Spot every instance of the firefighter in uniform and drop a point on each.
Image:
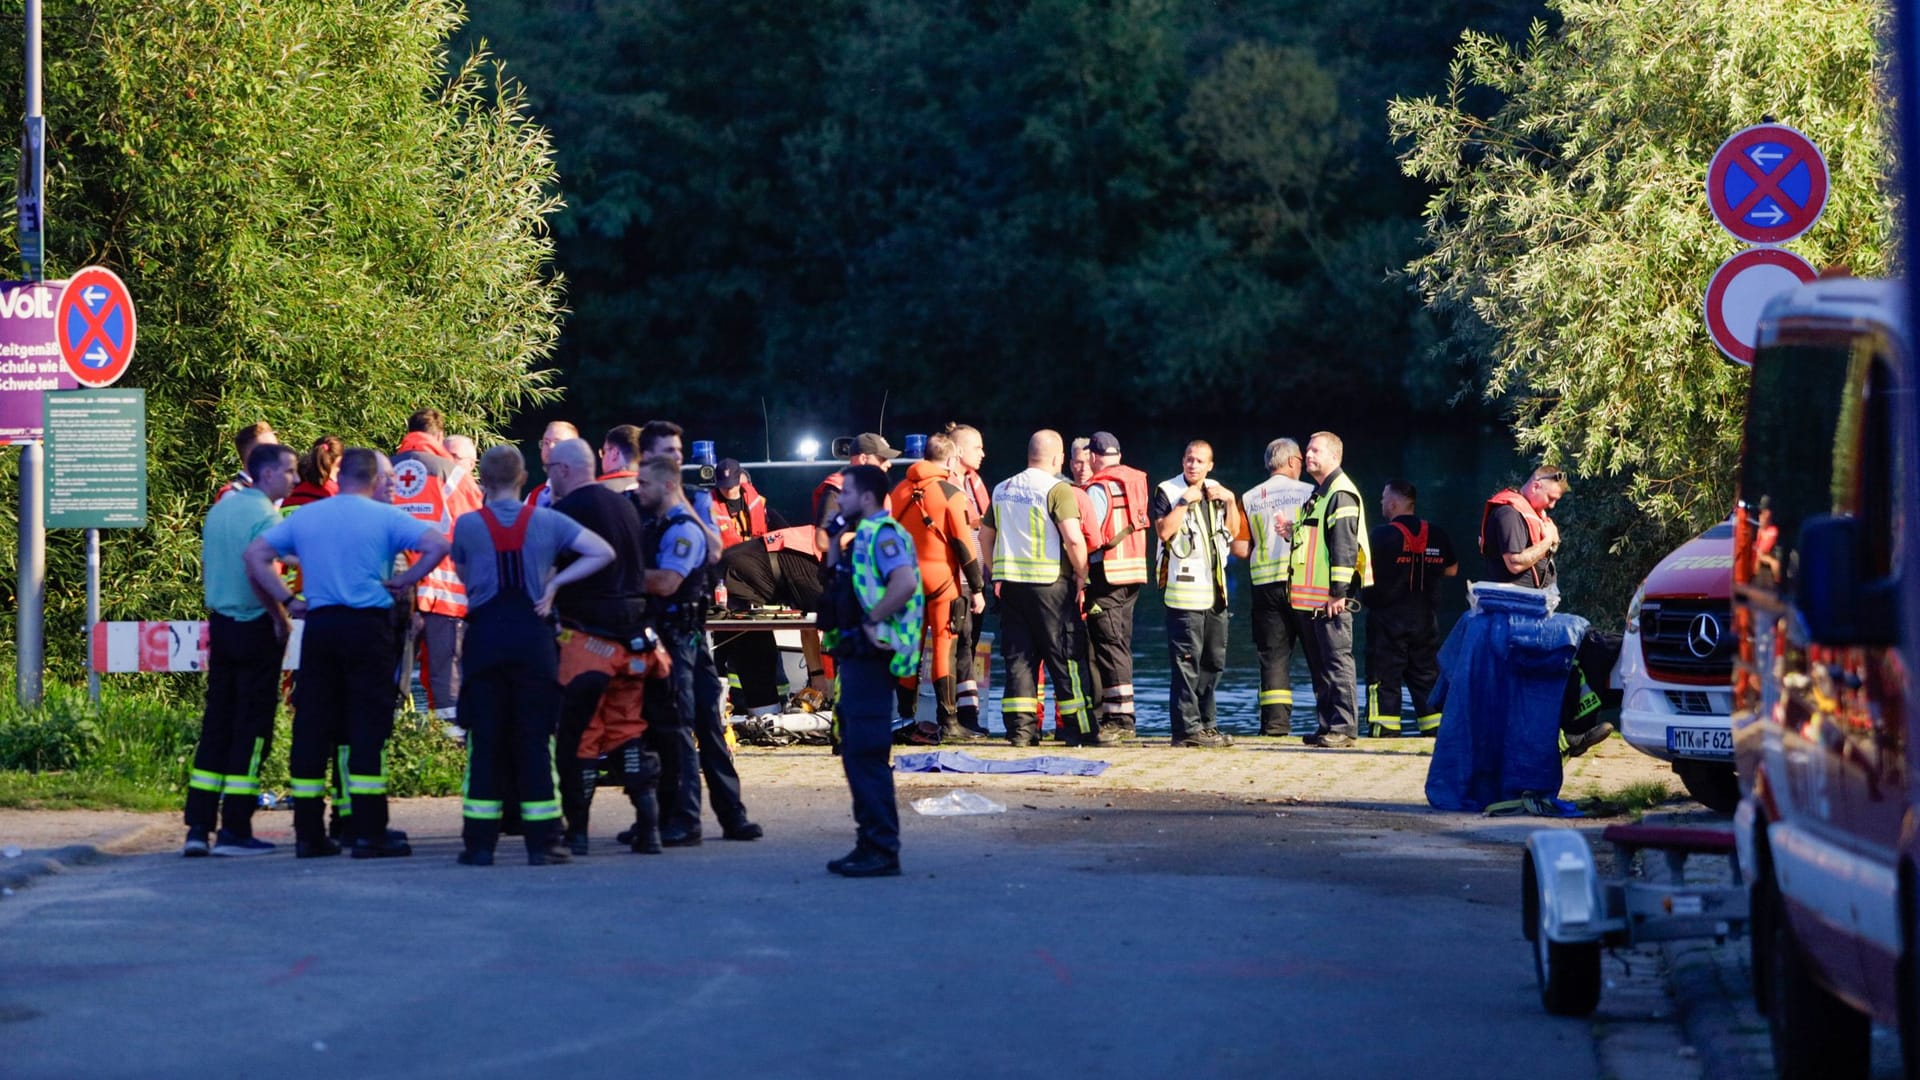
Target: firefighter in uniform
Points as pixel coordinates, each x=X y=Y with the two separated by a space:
x=1199 y=524
x=246 y=642
x=741 y=511
x=679 y=580
x=1330 y=564
x=1412 y=557
x=873 y=606
x=606 y=661
x=505 y=553
x=346 y=546
x=1116 y=569
x=933 y=510
x=1276 y=628
x=968 y=454
x=1036 y=556
x=425 y=475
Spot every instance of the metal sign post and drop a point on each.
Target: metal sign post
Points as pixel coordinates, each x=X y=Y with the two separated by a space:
x=30 y=589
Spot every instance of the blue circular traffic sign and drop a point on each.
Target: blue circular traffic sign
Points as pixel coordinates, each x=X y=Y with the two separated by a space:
x=94 y=323
x=1767 y=184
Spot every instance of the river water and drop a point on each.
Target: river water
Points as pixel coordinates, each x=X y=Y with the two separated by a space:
x=1454 y=467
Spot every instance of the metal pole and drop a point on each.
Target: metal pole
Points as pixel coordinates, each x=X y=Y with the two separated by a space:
x=31 y=587
x=93 y=611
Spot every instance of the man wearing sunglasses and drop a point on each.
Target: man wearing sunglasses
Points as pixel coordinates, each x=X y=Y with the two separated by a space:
x=1516 y=535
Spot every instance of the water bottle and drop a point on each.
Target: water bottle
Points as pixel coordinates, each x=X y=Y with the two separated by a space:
x=916 y=447
x=703 y=452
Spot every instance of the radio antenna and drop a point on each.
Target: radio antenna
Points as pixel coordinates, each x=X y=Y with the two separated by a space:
x=766 y=427
x=882 y=432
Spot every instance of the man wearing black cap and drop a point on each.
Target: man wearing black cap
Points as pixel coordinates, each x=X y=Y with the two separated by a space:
x=742 y=514
x=1119 y=496
x=868 y=449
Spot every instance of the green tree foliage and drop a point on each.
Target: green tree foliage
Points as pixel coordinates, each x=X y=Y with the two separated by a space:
x=326 y=222
x=1570 y=236
x=1152 y=208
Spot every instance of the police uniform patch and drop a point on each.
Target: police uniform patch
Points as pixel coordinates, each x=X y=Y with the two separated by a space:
x=682 y=548
x=890 y=549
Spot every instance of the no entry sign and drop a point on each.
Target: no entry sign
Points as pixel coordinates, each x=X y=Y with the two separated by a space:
x=1741 y=288
x=96 y=327
x=1767 y=184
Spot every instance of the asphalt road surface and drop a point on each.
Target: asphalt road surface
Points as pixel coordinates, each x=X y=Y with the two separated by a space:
x=1136 y=935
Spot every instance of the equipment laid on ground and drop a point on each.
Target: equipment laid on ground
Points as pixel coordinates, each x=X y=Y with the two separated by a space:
x=1569 y=910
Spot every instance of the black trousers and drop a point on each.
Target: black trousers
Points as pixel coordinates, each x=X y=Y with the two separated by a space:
x=966 y=634
x=1403 y=646
x=345 y=697
x=1276 y=629
x=865 y=715
x=687 y=733
x=1110 y=645
x=236 y=728
x=1197 y=645
x=510 y=705
x=1039 y=624
x=1329 y=641
x=754 y=659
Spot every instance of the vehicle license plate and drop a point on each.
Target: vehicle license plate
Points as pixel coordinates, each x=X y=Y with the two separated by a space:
x=1700 y=741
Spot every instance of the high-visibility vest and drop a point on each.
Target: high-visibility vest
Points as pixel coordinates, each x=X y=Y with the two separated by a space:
x=1026 y=539
x=1193 y=562
x=901 y=630
x=1313 y=576
x=1277 y=499
x=729 y=529
x=1536 y=526
x=1118 y=541
x=421 y=471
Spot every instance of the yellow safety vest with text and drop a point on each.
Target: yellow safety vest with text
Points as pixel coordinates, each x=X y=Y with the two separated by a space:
x=1278 y=498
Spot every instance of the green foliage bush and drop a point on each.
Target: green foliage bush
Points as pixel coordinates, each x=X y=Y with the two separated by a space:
x=326 y=221
x=1570 y=240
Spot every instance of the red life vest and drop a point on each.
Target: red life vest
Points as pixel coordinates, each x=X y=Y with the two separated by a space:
x=1536 y=525
x=831 y=483
x=1121 y=538
x=798 y=538
x=729 y=528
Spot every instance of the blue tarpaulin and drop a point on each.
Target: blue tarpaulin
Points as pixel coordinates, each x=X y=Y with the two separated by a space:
x=960 y=761
x=1503 y=680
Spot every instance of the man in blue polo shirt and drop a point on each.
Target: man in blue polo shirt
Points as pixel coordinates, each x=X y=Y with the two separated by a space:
x=245 y=642
x=345 y=694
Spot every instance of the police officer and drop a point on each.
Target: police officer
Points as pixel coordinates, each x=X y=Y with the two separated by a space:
x=505 y=554
x=246 y=642
x=1329 y=565
x=875 y=606
x=346 y=546
x=1411 y=558
x=680 y=582
x=1275 y=626
x=1036 y=556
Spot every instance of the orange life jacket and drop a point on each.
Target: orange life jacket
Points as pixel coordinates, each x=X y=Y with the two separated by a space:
x=1536 y=525
x=797 y=538
x=831 y=483
x=729 y=529
x=1121 y=538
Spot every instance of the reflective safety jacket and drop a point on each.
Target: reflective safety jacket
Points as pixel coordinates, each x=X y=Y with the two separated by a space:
x=1193 y=562
x=1536 y=527
x=729 y=529
x=1026 y=539
x=1331 y=557
x=1277 y=499
x=423 y=486
x=901 y=630
x=1117 y=528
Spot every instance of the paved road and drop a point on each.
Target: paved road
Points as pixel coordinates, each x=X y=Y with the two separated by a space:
x=1117 y=934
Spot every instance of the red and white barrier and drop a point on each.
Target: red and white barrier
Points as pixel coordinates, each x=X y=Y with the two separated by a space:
x=165 y=646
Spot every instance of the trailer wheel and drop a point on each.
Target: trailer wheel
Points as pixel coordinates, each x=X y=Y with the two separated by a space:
x=1568 y=972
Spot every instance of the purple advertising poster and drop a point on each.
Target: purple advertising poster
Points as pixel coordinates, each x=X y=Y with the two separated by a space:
x=30 y=361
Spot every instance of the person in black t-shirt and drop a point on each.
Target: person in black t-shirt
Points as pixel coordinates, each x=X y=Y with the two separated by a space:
x=757 y=575
x=1516 y=535
x=1411 y=557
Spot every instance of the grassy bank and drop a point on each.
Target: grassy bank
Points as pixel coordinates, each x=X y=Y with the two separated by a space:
x=133 y=750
